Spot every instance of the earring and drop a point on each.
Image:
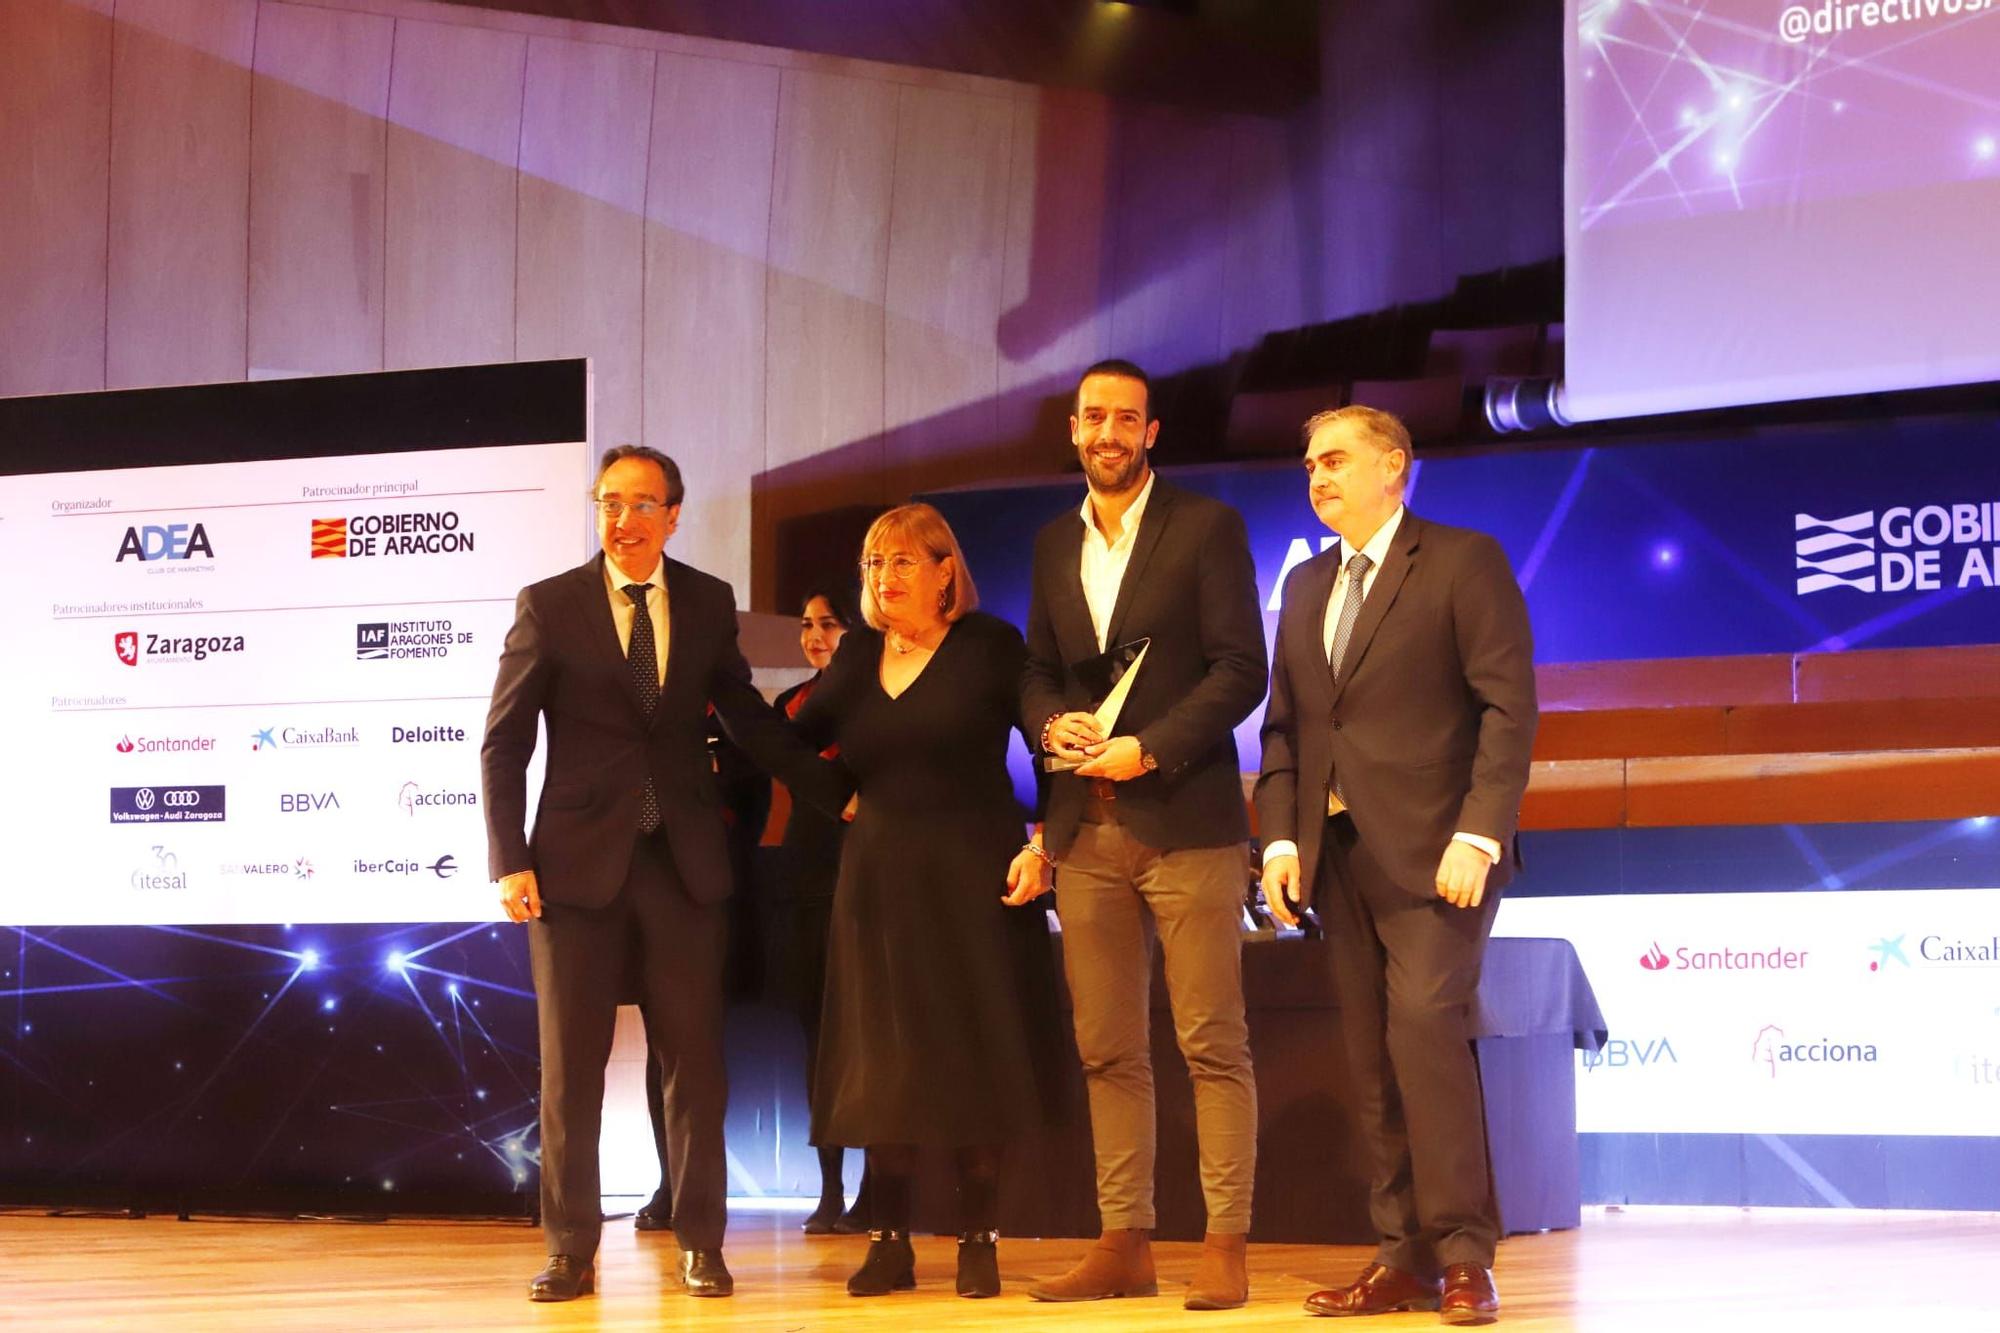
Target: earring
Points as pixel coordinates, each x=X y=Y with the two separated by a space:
x=944 y=598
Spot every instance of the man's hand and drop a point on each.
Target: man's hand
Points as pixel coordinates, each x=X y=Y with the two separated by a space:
x=1027 y=879
x=1281 y=888
x=1121 y=759
x=1461 y=877
x=521 y=896
x=1072 y=734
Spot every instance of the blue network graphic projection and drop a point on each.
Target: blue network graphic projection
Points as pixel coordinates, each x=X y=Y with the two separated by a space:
x=350 y=1068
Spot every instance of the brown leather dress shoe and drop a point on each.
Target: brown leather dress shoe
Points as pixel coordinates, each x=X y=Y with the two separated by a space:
x=1379 y=1290
x=1222 y=1278
x=1469 y=1297
x=566 y=1278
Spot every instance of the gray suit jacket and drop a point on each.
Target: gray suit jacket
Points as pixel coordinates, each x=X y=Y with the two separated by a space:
x=1431 y=723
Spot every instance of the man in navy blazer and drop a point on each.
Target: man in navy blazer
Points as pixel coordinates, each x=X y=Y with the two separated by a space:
x=621 y=658
x=1396 y=751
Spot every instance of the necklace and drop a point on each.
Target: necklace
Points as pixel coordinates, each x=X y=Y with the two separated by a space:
x=903 y=643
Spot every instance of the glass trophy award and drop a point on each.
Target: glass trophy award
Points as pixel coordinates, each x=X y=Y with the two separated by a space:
x=1108 y=678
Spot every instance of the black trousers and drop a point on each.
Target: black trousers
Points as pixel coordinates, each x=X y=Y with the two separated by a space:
x=579 y=958
x=1407 y=970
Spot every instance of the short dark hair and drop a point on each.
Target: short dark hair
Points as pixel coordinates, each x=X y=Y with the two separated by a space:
x=838 y=600
x=1124 y=370
x=669 y=469
x=1384 y=430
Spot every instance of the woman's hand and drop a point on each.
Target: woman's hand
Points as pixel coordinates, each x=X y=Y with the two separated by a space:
x=1028 y=877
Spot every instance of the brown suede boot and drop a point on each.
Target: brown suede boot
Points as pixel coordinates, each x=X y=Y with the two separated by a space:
x=1120 y=1264
x=1222 y=1278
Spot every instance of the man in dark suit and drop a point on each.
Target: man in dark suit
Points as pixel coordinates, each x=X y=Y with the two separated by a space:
x=1396 y=747
x=1150 y=832
x=621 y=658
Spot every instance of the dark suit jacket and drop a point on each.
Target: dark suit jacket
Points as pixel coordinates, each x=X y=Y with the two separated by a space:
x=1432 y=721
x=562 y=662
x=1192 y=588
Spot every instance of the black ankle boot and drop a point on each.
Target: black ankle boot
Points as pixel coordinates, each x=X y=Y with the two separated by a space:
x=891 y=1265
x=822 y=1220
x=979 y=1263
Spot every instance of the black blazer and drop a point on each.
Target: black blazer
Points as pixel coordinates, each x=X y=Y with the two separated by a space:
x=1192 y=588
x=562 y=662
x=1430 y=725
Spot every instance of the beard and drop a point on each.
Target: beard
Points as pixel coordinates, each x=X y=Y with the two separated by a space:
x=1115 y=478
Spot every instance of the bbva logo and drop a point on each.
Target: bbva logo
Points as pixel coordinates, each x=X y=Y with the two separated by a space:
x=1620 y=1054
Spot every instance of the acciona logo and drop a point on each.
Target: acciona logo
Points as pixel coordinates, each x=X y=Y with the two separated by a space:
x=1775 y=1051
x=1904 y=548
x=412 y=797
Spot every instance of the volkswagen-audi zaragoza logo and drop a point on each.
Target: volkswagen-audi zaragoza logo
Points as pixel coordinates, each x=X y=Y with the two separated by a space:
x=1903 y=548
x=369 y=536
x=168 y=805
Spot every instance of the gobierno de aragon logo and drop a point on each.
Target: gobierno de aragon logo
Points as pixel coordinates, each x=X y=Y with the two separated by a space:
x=371 y=536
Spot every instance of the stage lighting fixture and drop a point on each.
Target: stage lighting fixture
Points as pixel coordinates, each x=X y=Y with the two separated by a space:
x=1525 y=404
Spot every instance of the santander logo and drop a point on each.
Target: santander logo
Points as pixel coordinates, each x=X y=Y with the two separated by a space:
x=125 y=745
x=1653 y=959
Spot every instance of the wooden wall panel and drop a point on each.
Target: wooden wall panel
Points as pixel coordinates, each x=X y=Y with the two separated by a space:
x=829 y=271
x=317 y=169
x=947 y=241
x=584 y=129
x=454 y=136
x=1171 y=211
x=708 y=213
x=55 y=95
x=1265 y=285
x=1051 y=325
x=180 y=193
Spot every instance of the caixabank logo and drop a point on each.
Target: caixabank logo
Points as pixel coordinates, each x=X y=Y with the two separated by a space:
x=1904 y=548
x=168 y=805
x=373 y=536
x=136 y=646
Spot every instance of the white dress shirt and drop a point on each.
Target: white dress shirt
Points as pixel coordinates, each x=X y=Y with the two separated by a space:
x=623 y=612
x=1104 y=562
x=1377 y=550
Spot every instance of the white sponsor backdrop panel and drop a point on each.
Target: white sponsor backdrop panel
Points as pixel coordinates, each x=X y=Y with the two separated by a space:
x=1859 y=1012
x=255 y=691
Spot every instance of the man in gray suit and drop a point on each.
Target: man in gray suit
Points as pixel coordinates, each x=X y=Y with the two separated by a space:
x=1396 y=751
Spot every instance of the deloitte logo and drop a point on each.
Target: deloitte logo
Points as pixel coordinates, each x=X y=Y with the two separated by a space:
x=1901 y=549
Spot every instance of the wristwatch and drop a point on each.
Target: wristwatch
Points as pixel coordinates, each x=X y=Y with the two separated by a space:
x=1147 y=761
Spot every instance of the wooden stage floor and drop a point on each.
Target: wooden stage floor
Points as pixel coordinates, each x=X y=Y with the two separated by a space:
x=1712 y=1270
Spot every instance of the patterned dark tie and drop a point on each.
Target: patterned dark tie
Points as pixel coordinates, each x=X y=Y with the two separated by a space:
x=644 y=661
x=1343 y=630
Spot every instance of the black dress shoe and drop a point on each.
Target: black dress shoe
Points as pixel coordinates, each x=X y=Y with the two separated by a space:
x=823 y=1220
x=979 y=1263
x=657 y=1215
x=566 y=1278
x=853 y=1222
x=704 y=1274
x=891 y=1265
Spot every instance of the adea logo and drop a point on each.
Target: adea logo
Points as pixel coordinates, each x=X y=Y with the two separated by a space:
x=1772 y=1049
x=126 y=644
x=1653 y=959
x=1628 y=1053
x=173 y=541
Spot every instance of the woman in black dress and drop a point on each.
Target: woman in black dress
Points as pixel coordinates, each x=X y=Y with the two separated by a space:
x=811 y=858
x=940 y=995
